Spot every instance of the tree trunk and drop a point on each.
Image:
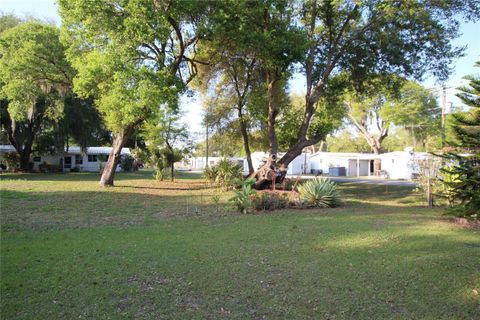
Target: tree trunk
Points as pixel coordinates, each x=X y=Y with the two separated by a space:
x=271 y=120
x=243 y=129
x=24 y=159
x=377 y=165
x=263 y=175
x=118 y=142
x=25 y=152
x=23 y=148
x=172 y=171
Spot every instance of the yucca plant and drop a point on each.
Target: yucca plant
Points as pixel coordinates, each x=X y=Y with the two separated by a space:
x=319 y=192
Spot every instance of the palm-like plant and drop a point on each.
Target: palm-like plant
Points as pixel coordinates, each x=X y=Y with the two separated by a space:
x=319 y=192
x=242 y=198
x=223 y=173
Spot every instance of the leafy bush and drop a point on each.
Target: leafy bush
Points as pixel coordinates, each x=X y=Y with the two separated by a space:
x=242 y=198
x=269 y=201
x=75 y=169
x=127 y=163
x=102 y=157
x=291 y=184
x=319 y=192
x=210 y=174
x=223 y=174
x=11 y=160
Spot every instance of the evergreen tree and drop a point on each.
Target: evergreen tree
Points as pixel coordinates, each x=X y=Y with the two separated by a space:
x=462 y=181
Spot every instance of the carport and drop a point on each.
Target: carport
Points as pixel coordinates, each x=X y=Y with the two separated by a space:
x=361 y=165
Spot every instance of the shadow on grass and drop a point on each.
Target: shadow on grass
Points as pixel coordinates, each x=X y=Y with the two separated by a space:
x=40 y=210
x=23 y=210
x=169 y=185
x=143 y=174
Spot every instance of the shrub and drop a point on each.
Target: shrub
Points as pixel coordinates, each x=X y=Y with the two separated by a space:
x=269 y=201
x=319 y=192
x=75 y=169
x=291 y=184
x=11 y=160
x=223 y=174
x=210 y=174
x=242 y=198
x=127 y=163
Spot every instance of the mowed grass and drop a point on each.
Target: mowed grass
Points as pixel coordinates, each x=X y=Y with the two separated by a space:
x=149 y=250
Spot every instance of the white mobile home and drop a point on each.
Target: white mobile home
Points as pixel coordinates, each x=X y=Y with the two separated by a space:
x=199 y=163
x=299 y=165
x=73 y=157
x=354 y=164
x=89 y=160
x=401 y=164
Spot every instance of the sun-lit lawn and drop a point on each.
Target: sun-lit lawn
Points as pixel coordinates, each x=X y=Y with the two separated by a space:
x=150 y=250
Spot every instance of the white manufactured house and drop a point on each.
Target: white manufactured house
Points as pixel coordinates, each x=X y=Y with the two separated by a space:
x=299 y=165
x=353 y=164
x=87 y=160
x=199 y=163
x=401 y=164
x=394 y=165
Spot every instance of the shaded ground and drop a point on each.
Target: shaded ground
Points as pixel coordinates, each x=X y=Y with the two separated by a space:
x=70 y=249
x=366 y=180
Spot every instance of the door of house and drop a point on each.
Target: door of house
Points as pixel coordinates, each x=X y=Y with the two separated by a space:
x=67 y=162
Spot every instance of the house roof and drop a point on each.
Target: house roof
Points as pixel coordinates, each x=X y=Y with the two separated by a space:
x=94 y=150
x=4 y=148
x=73 y=150
x=347 y=155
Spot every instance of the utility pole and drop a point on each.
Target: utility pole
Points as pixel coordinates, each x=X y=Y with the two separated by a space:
x=206 y=142
x=444 y=107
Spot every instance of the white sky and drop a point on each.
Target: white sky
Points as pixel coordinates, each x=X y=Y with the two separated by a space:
x=47 y=10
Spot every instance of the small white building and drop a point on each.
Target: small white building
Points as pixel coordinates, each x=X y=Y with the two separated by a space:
x=354 y=164
x=88 y=160
x=299 y=165
x=401 y=164
x=199 y=163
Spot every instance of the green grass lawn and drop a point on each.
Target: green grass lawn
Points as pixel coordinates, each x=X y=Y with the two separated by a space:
x=150 y=250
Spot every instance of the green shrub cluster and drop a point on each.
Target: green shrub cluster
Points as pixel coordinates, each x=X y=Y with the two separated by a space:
x=11 y=160
x=242 y=197
x=269 y=200
x=127 y=163
x=223 y=174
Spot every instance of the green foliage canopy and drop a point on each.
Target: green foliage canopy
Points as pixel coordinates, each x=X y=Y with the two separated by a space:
x=131 y=55
x=33 y=66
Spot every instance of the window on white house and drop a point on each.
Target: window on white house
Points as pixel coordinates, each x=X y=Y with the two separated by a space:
x=78 y=159
x=92 y=158
x=37 y=159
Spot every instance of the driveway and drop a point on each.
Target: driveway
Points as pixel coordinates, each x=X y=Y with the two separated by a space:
x=379 y=181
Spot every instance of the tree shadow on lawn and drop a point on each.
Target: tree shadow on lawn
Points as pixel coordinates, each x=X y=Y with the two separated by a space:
x=30 y=210
x=170 y=186
x=143 y=174
x=278 y=266
x=23 y=210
